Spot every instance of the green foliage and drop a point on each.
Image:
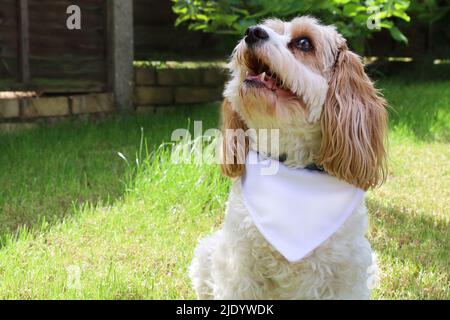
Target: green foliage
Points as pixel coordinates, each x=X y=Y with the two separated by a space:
x=355 y=19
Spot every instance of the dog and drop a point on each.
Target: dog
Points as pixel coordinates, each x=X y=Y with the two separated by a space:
x=300 y=78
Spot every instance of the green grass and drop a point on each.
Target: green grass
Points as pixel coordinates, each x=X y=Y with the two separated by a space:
x=69 y=202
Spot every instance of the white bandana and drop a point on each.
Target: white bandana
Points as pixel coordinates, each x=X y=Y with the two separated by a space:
x=296 y=209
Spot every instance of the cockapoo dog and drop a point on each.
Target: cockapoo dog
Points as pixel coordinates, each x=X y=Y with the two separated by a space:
x=300 y=78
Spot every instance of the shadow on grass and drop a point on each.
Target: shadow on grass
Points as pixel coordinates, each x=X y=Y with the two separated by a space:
x=417 y=243
x=49 y=172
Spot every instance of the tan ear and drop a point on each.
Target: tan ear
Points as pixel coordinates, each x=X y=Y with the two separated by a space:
x=354 y=122
x=235 y=142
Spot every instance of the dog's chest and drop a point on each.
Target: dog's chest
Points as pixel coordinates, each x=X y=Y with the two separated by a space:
x=241 y=225
x=295 y=210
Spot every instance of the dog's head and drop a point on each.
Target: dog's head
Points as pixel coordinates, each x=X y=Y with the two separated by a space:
x=300 y=74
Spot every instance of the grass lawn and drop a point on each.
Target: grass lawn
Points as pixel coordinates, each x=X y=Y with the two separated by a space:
x=70 y=206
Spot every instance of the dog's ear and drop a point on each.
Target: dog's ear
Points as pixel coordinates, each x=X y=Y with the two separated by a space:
x=354 y=122
x=234 y=143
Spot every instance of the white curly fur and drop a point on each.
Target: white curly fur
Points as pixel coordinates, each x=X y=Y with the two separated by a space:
x=236 y=262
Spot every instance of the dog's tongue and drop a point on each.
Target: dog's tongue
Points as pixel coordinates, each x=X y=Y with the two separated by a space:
x=267 y=81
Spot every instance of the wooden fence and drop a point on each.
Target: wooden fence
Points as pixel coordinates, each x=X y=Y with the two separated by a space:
x=39 y=52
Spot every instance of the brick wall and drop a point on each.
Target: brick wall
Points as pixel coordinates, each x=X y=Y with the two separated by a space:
x=159 y=89
x=16 y=113
x=156 y=90
x=61 y=106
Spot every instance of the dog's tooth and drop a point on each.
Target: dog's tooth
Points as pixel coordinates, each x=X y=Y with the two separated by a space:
x=247 y=73
x=262 y=76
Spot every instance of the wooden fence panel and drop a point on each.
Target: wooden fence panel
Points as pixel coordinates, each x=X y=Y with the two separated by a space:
x=59 y=59
x=8 y=43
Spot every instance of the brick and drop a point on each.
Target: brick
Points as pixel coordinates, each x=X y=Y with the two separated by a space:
x=176 y=77
x=45 y=107
x=9 y=108
x=153 y=96
x=145 y=76
x=92 y=103
x=214 y=77
x=189 y=95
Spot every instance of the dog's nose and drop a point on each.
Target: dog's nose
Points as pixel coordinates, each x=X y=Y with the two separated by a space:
x=255 y=34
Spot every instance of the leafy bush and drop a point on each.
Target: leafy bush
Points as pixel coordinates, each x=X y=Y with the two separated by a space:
x=355 y=19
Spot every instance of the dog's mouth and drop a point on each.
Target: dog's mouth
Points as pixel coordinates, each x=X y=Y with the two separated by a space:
x=260 y=76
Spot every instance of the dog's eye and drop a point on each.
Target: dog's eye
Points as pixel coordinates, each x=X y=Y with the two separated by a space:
x=303 y=44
